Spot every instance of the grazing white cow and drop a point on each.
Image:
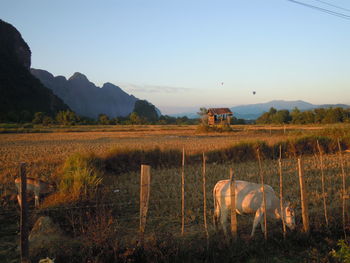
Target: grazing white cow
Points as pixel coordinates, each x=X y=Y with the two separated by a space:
x=249 y=200
x=37 y=186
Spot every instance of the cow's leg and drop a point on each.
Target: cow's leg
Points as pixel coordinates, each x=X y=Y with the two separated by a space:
x=19 y=200
x=36 y=195
x=215 y=220
x=262 y=225
x=223 y=219
x=216 y=216
x=36 y=200
x=257 y=219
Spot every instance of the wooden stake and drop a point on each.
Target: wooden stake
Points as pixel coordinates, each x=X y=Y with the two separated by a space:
x=323 y=184
x=183 y=193
x=303 y=199
x=145 y=186
x=344 y=189
x=24 y=215
x=205 y=199
x=263 y=192
x=281 y=193
x=233 y=205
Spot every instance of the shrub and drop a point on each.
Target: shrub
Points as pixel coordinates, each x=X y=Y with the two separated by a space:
x=343 y=254
x=79 y=177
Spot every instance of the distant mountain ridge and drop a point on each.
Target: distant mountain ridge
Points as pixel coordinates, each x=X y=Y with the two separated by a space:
x=85 y=98
x=254 y=111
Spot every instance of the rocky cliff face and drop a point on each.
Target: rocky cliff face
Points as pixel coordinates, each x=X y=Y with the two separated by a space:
x=85 y=98
x=20 y=92
x=13 y=44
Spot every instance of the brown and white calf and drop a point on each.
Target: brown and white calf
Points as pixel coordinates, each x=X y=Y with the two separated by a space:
x=249 y=200
x=36 y=186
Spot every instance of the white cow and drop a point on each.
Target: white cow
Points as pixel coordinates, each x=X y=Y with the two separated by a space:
x=37 y=186
x=249 y=200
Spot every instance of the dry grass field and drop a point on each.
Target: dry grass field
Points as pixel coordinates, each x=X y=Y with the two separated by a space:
x=43 y=152
x=113 y=224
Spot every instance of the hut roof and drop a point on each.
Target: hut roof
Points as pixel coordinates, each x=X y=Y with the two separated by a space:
x=219 y=111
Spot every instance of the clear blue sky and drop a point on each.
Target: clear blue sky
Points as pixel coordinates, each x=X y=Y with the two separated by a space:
x=178 y=52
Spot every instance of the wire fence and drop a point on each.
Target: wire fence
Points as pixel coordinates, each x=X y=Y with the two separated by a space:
x=165 y=205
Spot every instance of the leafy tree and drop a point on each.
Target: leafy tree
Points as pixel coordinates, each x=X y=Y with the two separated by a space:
x=103 y=119
x=67 y=117
x=319 y=114
x=297 y=117
x=135 y=118
x=203 y=113
x=264 y=118
x=281 y=116
x=47 y=120
x=38 y=117
x=272 y=111
x=334 y=115
x=308 y=116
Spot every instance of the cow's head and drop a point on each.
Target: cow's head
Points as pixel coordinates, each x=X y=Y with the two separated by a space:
x=289 y=216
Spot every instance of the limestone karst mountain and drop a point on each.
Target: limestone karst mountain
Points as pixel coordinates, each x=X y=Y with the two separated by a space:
x=85 y=98
x=21 y=94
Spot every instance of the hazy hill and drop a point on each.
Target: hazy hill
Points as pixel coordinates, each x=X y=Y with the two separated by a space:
x=253 y=111
x=85 y=98
x=21 y=94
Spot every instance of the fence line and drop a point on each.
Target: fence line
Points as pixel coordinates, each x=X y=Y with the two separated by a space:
x=263 y=192
x=145 y=185
x=303 y=198
x=24 y=245
x=183 y=193
x=205 y=200
x=323 y=185
x=233 y=205
x=281 y=194
x=123 y=218
x=343 y=188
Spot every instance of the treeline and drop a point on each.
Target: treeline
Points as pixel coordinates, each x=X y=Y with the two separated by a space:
x=143 y=113
x=71 y=118
x=296 y=116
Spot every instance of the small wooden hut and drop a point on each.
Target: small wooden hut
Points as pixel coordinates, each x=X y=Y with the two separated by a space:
x=219 y=116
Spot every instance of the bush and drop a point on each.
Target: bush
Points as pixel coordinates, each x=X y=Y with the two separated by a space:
x=79 y=177
x=343 y=254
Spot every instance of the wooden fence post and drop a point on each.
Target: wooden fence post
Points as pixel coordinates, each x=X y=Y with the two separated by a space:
x=281 y=193
x=343 y=188
x=303 y=199
x=205 y=199
x=323 y=184
x=24 y=215
x=263 y=193
x=145 y=185
x=183 y=193
x=233 y=205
